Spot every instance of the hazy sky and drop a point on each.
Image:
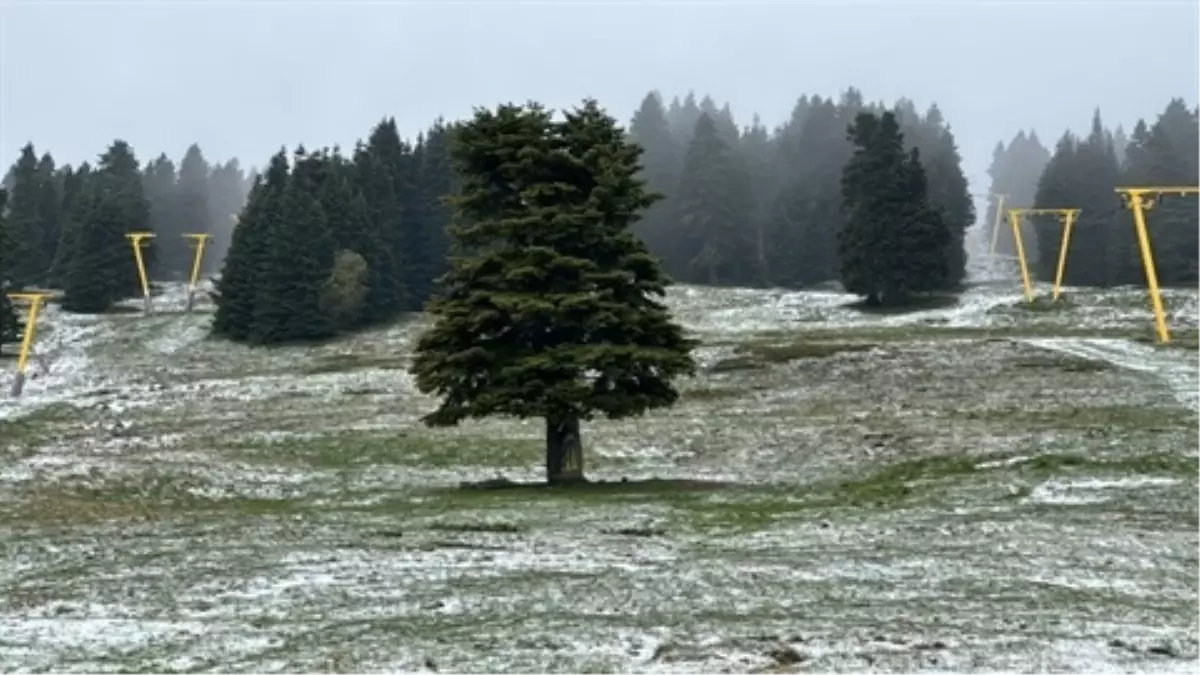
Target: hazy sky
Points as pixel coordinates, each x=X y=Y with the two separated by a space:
x=242 y=78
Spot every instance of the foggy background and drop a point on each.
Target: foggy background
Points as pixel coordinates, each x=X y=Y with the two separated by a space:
x=241 y=79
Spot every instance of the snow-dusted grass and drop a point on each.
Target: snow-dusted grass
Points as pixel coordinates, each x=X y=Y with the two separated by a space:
x=969 y=487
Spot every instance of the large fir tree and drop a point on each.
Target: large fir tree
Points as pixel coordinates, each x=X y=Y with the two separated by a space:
x=551 y=315
x=238 y=289
x=892 y=243
x=102 y=268
x=715 y=205
x=661 y=165
x=297 y=260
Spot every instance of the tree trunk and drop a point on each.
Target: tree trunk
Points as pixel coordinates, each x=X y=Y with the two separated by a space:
x=564 y=450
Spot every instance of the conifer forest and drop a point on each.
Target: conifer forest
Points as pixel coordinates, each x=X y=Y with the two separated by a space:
x=583 y=389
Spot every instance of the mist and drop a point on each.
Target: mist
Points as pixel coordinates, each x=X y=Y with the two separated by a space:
x=242 y=79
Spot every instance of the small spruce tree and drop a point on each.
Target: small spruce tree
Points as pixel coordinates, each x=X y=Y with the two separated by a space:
x=893 y=243
x=548 y=309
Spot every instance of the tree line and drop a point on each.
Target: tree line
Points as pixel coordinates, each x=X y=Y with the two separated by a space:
x=328 y=243
x=64 y=227
x=750 y=206
x=1082 y=172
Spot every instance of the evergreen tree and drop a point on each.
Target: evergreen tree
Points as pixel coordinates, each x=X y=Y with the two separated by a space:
x=806 y=214
x=49 y=213
x=683 y=119
x=893 y=243
x=661 y=167
x=241 y=275
x=1014 y=172
x=351 y=227
x=420 y=269
x=715 y=204
x=227 y=194
x=9 y=326
x=1081 y=175
x=73 y=211
x=948 y=190
x=1164 y=154
x=297 y=261
x=190 y=216
x=552 y=314
x=383 y=177
x=160 y=184
x=28 y=265
x=436 y=183
x=385 y=295
x=102 y=268
x=757 y=154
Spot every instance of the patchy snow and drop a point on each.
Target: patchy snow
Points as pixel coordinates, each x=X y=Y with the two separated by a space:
x=203 y=506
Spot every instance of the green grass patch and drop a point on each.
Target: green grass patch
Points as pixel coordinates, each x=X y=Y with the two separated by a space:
x=158 y=498
x=39 y=426
x=1123 y=417
x=735 y=364
x=479 y=528
x=341 y=363
x=404 y=448
x=1063 y=362
x=801 y=349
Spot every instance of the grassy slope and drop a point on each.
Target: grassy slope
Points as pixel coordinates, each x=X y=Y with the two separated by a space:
x=915 y=495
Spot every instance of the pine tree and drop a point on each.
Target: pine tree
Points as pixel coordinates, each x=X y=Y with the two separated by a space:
x=191 y=215
x=382 y=176
x=437 y=182
x=949 y=193
x=552 y=314
x=27 y=266
x=714 y=206
x=227 y=193
x=1082 y=175
x=805 y=216
x=893 y=243
x=102 y=268
x=297 y=261
x=350 y=225
x=757 y=155
x=385 y=297
x=50 y=216
x=661 y=167
x=241 y=275
x=683 y=119
x=160 y=184
x=1014 y=172
x=9 y=326
x=73 y=211
x=419 y=271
